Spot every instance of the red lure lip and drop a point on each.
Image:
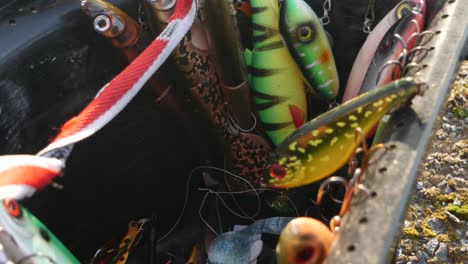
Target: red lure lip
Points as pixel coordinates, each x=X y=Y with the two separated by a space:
x=277 y=171
x=12 y=207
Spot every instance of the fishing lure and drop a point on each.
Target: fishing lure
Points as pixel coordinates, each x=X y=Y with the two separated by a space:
x=308 y=43
x=244 y=246
x=324 y=144
x=157 y=13
x=304 y=240
x=277 y=83
x=394 y=47
x=245 y=151
x=221 y=24
x=25 y=239
x=243 y=7
x=368 y=49
x=126 y=35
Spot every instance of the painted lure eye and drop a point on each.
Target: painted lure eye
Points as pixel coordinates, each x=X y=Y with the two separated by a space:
x=277 y=171
x=305 y=33
x=403 y=9
x=12 y=207
x=304 y=255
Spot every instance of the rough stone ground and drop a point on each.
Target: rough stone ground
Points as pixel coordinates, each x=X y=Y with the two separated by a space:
x=436 y=225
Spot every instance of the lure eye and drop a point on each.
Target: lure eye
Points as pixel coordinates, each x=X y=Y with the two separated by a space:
x=403 y=9
x=277 y=171
x=12 y=207
x=305 y=33
x=304 y=255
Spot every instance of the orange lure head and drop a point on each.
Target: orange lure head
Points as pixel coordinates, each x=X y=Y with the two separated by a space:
x=304 y=240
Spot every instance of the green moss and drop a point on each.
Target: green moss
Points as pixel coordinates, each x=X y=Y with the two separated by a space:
x=460 y=112
x=410 y=232
x=460 y=212
x=443 y=238
x=452 y=183
x=428 y=232
x=440 y=215
x=448 y=198
x=411 y=213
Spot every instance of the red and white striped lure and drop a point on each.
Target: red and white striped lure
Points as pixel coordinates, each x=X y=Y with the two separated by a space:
x=22 y=175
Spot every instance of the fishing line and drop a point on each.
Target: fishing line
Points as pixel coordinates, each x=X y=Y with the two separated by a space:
x=229 y=189
x=187 y=195
x=201 y=217
x=257 y=189
x=251 y=189
x=36 y=255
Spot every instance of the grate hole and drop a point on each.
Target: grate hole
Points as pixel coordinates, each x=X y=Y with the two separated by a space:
x=438 y=32
x=373 y=194
x=445 y=16
x=451 y=1
x=382 y=170
x=12 y=22
x=363 y=220
x=392 y=146
x=351 y=248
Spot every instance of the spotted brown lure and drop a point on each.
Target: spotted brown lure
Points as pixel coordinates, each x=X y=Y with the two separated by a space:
x=245 y=152
x=324 y=144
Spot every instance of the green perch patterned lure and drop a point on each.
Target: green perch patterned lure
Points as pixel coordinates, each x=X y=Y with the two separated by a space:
x=277 y=82
x=24 y=239
x=308 y=43
x=326 y=143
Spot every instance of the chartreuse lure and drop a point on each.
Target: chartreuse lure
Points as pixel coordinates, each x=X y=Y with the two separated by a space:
x=277 y=83
x=308 y=43
x=326 y=143
x=25 y=239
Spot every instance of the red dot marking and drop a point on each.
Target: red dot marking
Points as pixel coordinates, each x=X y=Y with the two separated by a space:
x=12 y=207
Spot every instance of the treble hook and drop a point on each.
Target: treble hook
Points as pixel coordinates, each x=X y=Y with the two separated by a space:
x=429 y=33
x=366 y=152
x=410 y=66
x=336 y=220
x=419 y=6
x=238 y=127
x=369 y=18
x=415 y=51
x=416 y=34
x=388 y=63
x=325 y=19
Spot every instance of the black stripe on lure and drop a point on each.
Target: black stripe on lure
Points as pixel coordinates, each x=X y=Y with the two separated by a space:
x=324 y=144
